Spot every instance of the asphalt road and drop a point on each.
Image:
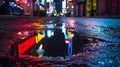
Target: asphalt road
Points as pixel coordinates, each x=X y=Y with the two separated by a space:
x=106 y=29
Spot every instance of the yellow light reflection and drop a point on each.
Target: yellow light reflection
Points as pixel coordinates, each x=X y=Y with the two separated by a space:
x=94 y=4
x=88 y=5
x=41 y=46
x=38 y=37
x=70 y=35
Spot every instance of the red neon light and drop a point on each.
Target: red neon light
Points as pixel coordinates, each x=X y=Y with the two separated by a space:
x=48 y=4
x=24 y=46
x=67 y=41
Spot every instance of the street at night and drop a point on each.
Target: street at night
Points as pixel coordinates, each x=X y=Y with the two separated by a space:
x=95 y=41
x=59 y=33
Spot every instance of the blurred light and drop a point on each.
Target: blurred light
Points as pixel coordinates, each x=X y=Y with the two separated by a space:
x=88 y=5
x=11 y=3
x=67 y=7
x=73 y=55
x=94 y=4
x=26 y=33
x=48 y=0
x=72 y=12
x=17 y=0
x=21 y=8
x=22 y=38
x=101 y=62
x=39 y=37
x=19 y=33
x=72 y=6
x=63 y=28
x=50 y=21
x=70 y=49
x=28 y=4
x=48 y=5
x=55 y=24
x=67 y=41
x=49 y=33
x=18 y=6
x=55 y=14
x=40 y=51
x=72 y=35
x=41 y=46
x=64 y=4
x=48 y=12
x=61 y=13
x=69 y=3
x=64 y=10
x=49 y=25
x=25 y=2
x=14 y=5
x=69 y=0
x=110 y=61
x=65 y=35
x=42 y=8
x=52 y=33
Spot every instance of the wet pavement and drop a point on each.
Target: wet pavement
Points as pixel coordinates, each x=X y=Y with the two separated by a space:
x=105 y=29
x=96 y=41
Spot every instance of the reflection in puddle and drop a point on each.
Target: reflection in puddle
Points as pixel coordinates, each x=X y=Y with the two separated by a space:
x=62 y=41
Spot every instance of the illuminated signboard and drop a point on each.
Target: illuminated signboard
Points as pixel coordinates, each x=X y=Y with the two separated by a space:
x=25 y=45
x=38 y=37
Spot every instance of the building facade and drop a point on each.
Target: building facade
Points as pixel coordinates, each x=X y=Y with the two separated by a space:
x=108 y=7
x=96 y=8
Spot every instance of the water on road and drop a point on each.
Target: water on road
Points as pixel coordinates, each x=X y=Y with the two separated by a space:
x=95 y=41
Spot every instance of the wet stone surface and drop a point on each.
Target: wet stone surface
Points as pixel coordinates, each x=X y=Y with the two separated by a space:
x=106 y=54
x=103 y=53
